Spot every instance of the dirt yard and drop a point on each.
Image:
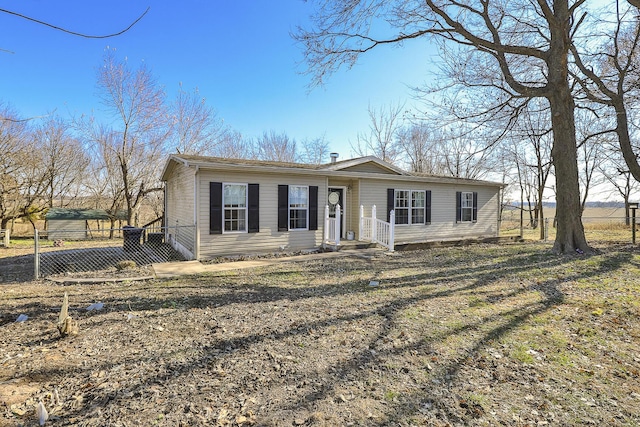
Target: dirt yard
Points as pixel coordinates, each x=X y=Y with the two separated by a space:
x=486 y=335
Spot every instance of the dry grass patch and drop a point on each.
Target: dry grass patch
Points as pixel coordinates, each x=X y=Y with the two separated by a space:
x=483 y=335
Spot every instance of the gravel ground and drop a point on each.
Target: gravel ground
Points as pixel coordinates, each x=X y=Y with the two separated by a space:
x=486 y=335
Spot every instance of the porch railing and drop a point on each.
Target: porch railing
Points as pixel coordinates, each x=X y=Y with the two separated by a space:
x=375 y=230
x=332 y=227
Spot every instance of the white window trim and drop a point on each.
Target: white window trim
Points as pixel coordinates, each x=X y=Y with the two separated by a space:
x=410 y=207
x=424 y=208
x=289 y=208
x=246 y=209
x=466 y=208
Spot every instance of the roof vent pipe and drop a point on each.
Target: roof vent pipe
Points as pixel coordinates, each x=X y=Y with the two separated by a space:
x=334 y=157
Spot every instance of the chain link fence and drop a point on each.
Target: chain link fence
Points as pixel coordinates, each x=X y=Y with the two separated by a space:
x=79 y=253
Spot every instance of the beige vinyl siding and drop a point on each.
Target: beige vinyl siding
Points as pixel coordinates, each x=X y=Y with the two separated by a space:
x=268 y=239
x=180 y=206
x=443 y=210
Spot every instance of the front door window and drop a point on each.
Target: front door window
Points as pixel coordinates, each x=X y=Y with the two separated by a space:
x=336 y=197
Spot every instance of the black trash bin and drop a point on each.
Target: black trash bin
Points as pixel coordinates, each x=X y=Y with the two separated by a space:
x=131 y=236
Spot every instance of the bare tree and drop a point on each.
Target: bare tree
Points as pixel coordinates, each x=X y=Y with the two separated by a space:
x=613 y=78
x=137 y=138
x=196 y=127
x=315 y=151
x=234 y=146
x=526 y=42
x=64 y=159
x=381 y=140
x=464 y=154
x=14 y=156
x=23 y=174
x=419 y=148
x=276 y=147
x=618 y=176
x=104 y=184
x=530 y=147
x=591 y=147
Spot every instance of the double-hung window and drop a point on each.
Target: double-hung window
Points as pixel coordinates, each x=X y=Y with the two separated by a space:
x=418 y=207
x=401 y=206
x=410 y=206
x=234 y=208
x=234 y=200
x=298 y=207
x=467 y=206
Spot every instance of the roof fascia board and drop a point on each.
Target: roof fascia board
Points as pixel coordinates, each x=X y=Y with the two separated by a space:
x=340 y=174
x=412 y=178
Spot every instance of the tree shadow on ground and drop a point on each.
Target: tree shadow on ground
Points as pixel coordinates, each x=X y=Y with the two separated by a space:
x=418 y=282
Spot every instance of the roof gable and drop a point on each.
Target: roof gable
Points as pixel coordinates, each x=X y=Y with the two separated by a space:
x=368 y=164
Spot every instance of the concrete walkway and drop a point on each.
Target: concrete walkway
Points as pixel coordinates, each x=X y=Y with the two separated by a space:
x=184 y=268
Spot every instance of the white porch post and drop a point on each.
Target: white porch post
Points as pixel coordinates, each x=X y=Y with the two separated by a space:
x=326 y=223
x=374 y=225
x=392 y=229
x=337 y=225
x=360 y=224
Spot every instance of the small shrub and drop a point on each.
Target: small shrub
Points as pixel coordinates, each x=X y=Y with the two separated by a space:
x=126 y=265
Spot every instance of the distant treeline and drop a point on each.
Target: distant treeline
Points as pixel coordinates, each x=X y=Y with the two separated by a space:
x=587 y=205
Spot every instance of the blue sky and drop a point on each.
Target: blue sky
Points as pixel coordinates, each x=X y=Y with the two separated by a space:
x=239 y=54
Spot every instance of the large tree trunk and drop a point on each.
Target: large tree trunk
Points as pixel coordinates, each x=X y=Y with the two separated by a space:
x=570 y=232
x=570 y=236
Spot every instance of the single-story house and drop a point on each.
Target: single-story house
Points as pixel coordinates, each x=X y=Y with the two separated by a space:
x=232 y=207
x=78 y=224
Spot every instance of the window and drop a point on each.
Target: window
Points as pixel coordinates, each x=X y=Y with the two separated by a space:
x=298 y=207
x=418 y=200
x=234 y=208
x=234 y=200
x=466 y=206
x=401 y=206
x=411 y=206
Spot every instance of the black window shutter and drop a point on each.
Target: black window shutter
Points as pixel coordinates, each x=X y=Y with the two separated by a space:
x=215 y=208
x=475 y=207
x=254 y=208
x=427 y=215
x=458 y=206
x=313 y=207
x=390 y=202
x=283 y=207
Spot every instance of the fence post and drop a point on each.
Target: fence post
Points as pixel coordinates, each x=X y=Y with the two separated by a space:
x=546 y=229
x=7 y=234
x=36 y=254
x=374 y=225
x=337 y=225
x=392 y=229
